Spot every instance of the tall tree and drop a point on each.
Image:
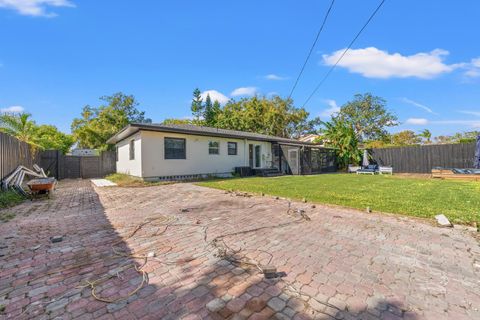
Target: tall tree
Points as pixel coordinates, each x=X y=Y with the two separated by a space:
x=427 y=135
x=208 y=115
x=42 y=137
x=341 y=135
x=97 y=124
x=50 y=138
x=197 y=104
x=211 y=112
x=272 y=116
x=369 y=116
x=19 y=125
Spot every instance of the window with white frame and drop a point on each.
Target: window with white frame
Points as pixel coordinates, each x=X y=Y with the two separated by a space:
x=213 y=147
x=232 y=148
x=175 y=148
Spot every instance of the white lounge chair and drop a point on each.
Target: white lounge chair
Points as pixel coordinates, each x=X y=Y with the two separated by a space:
x=352 y=168
x=385 y=170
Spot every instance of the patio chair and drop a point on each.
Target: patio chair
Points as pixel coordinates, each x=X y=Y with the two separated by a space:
x=385 y=170
x=370 y=169
x=353 y=168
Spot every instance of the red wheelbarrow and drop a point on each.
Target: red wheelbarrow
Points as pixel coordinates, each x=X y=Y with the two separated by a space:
x=42 y=186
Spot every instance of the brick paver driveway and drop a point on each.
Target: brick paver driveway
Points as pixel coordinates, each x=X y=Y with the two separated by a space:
x=202 y=248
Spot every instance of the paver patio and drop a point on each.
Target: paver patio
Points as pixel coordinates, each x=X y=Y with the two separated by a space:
x=342 y=264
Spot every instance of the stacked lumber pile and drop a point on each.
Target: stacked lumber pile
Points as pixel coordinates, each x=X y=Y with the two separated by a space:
x=456 y=174
x=15 y=179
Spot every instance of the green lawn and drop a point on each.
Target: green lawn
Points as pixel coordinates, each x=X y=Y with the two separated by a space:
x=458 y=200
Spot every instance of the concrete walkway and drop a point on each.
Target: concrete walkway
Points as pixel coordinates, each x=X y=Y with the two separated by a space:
x=202 y=247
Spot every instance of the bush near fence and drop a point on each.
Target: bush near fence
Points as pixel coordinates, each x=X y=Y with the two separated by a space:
x=421 y=159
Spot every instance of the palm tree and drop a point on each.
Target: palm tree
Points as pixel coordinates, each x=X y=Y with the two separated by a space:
x=427 y=135
x=19 y=125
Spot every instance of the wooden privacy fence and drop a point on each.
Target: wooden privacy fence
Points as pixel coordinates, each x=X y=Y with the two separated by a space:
x=73 y=167
x=13 y=153
x=421 y=159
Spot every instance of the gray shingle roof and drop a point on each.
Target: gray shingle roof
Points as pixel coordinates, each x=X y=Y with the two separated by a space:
x=199 y=130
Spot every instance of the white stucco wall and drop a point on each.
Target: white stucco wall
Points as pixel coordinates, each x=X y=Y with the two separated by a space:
x=124 y=164
x=198 y=160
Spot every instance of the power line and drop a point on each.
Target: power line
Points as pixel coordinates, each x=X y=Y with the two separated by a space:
x=311 y=49
x=344 y=52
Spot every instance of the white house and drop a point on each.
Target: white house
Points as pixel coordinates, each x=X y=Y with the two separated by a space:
x=157 y=151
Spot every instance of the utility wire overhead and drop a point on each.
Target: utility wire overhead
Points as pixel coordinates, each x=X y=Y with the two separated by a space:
x=343 y=53
x=311 y=49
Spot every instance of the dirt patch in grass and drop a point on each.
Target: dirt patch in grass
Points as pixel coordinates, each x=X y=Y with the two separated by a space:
x=125 y=180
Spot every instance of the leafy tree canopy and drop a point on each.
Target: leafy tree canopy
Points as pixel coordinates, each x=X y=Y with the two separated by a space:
x=97 y=124
x=360 y=120
x=18 y=125
x=176 y=121
x=46 y=137
x=341 y=135
x=272 y=116
x=405 y=138
x=368 y=115
x=464 y=137
x=49 y=138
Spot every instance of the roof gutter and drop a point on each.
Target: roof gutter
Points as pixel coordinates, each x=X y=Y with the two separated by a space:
x=118 y=137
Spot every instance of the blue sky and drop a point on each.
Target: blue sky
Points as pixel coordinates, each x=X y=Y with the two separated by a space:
x=423 y=57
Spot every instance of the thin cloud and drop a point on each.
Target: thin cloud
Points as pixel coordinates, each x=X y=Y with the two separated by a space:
x=36 y=8
x=215 y=95
x=374 y=63
x=417 y=121
x=422 y=121
x=13 y=109
x=418 y=104
x=275 y=77
x=244 y=91
x=471 y=113
x=473 y=68
x=332 y=110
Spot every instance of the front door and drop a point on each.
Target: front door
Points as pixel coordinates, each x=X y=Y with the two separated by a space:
x=250 y=155
x=293 y=160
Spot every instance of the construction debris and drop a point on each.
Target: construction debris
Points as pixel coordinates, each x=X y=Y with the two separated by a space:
x=35 y=247
x=103 y=183
x=15 y=179
x=443 y=221
x=270 y=272
x=55 y=239
x=238 y=194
